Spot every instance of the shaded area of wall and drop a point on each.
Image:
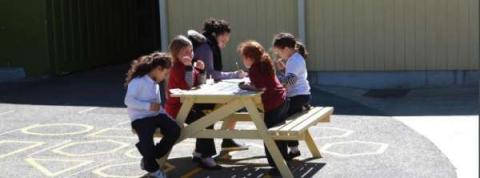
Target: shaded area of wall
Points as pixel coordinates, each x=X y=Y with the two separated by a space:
x=63 y=36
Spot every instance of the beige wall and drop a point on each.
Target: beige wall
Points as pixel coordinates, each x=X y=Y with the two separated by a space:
x=250 y=19
x=350 y=35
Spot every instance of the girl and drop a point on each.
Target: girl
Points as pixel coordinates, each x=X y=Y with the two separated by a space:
x=293 y=76
x=181 y=50
x=262 y=77
x=143 y=105
x=216 y=35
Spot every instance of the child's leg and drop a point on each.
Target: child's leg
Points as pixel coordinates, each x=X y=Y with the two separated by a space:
x=145 y=130
x=170 y=131
x=204 y=146
x=274 y=118
x=296 y=106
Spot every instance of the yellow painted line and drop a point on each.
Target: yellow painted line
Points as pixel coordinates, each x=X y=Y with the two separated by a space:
x=192 y=172
x=86 y=128
x=32 y=144
x=36 y=164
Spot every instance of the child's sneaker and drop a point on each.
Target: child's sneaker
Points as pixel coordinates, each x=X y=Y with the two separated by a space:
x=157 y=174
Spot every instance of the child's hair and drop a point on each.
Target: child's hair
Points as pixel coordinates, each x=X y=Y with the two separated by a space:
x=255 y=50
x=213 y=26
x=283 y=40
x=145 y=64
x=177 y=44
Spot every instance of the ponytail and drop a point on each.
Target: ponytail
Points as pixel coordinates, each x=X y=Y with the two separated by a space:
x=300 y=48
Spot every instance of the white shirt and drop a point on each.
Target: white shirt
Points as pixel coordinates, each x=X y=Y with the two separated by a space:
x=141 y=92
x=296 y=65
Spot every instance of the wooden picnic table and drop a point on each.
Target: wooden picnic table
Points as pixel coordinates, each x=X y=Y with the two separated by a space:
x=229 y=99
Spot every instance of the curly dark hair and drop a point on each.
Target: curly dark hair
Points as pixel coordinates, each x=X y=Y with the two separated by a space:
x=145 y=64
x=213 y=26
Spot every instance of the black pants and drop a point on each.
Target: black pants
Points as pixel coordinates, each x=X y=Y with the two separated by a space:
x=296 y=105
x=145 y=129
x=272 y=119
x=204 y=146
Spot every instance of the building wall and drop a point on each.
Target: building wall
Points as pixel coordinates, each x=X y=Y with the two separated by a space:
x=392 y=35
x=351 y=35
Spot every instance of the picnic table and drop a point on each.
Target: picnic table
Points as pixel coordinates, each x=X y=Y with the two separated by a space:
x=229 y=99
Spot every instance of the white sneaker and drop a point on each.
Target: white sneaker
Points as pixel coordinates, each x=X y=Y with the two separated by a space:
x=157 y=174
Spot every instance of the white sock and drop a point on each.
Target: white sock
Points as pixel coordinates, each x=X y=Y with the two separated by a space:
x=294 y=149
x=210 y=162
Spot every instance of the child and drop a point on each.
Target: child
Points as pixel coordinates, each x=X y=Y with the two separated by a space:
x=293 y=76
x=262 y=77
x=143 y=105
x=181 y=50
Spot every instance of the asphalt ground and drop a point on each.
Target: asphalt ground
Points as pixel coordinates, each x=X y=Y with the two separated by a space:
x=76 y=126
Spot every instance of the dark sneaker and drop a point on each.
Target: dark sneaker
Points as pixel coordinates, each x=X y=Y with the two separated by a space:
x=196 y=159
x=230 y=145
x=292 y=155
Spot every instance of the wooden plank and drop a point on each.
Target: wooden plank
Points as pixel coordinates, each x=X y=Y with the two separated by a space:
x=297 y=119
x=211 y=118
x=311 y=145
x=269 y=142
x=324 y=113
x=184 y=111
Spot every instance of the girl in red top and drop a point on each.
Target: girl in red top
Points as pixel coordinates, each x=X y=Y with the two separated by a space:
x=274 y=98
x=184 y=76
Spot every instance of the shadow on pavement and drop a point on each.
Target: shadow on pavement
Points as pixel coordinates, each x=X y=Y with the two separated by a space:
x=236 y=168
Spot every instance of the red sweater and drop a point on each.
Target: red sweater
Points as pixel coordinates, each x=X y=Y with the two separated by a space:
x=275 y=94
x=177 y=80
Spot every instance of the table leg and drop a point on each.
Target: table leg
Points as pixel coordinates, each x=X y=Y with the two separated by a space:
x=269 y=142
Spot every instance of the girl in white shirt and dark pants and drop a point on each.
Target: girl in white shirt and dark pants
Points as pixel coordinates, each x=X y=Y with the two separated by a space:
x=292 y=72
x=144 y=109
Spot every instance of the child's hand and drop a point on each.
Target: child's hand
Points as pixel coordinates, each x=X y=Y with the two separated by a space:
x=280 y=65
x=199 y=65
x=249 y=87
x=155 y=107
x=241 y=74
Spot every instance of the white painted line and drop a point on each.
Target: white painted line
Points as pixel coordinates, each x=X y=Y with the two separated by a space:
x=346 y=133
x=10 y=131
x=87 y=110
x=382 y=147
x=45 y=149
x=36 y=164
x=100 y=133
x=33 y=145
x=6 y=112
x=86 y=128
x=100 y=171
x=89 y=168
x=60 y=151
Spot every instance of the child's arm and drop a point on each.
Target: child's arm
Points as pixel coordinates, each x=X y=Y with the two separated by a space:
x=131 y=101
x=249 y=86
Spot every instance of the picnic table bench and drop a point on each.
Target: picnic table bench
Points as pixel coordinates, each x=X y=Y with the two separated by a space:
x=229 y=99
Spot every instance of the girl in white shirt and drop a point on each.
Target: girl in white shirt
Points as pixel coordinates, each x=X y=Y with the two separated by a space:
x=143 y=105
x=292 y=72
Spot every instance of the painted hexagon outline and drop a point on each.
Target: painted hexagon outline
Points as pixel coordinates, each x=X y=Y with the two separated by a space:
x=380 y=150
x=346 y=133
x=60 y=151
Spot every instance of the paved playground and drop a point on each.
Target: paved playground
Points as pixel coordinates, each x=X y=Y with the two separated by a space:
x=76 y=126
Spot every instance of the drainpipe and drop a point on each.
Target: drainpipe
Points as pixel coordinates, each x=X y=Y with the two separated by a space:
x=163 y=24
x=301 y=21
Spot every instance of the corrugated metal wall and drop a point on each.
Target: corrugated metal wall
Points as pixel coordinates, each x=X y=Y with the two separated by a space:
x=351 y=35
x=87 y=33
x=63 y=36
x=391 y=35
x=250 y=19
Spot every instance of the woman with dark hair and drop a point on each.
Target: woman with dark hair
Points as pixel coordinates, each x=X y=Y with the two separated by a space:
x=292 y=72
x=207 y=47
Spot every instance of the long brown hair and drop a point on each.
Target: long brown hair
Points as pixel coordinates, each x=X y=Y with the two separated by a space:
x=255 y=50
x=177 y=44
x=145 y=64
x=283 y=40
